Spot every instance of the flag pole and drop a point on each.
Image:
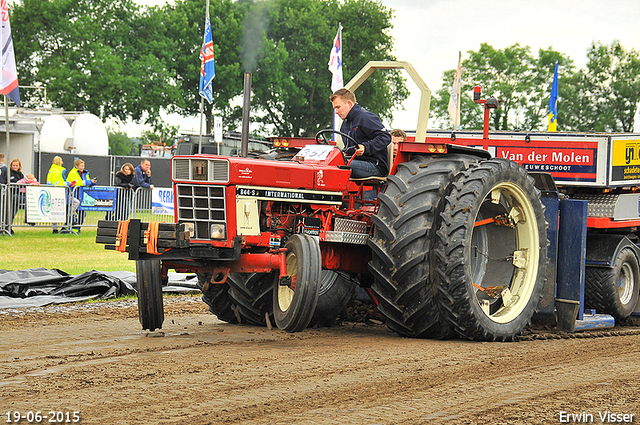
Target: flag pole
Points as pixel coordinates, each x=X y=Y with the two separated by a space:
x=6 y=126
x=201 y=118
x=202 y=98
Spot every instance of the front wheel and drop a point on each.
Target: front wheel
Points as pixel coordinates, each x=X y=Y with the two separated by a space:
x=295 y=297
x=149 y=288
x=492 y=251
x=614 y=291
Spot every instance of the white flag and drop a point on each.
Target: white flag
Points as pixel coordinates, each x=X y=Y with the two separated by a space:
x=454 y=100
x=9 y=81
x=335 y=61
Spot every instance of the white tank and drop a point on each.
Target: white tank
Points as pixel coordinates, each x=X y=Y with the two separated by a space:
x=90 y=136
x=55 y=132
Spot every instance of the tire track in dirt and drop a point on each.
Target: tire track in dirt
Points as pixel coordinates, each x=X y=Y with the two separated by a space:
x=203 y=371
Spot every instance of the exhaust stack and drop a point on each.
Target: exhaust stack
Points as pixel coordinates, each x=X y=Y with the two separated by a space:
x=246 y=106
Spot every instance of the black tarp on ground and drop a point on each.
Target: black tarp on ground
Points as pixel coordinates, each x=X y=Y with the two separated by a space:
x=40 y=286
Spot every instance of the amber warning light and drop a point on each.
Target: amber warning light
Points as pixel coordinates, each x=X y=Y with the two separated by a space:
x=280 y=143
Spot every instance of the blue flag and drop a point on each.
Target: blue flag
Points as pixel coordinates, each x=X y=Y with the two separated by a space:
x=553 y=102
x=207 y=67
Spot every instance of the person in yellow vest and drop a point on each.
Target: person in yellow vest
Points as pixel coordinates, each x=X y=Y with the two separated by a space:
x=57 y=177
x=79 y=177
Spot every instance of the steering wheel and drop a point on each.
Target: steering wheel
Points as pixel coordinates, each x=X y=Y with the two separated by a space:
x=323 y=138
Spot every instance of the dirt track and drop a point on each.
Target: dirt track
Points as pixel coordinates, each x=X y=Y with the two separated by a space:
x=95 y=359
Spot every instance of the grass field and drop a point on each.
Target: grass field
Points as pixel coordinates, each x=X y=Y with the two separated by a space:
x=39 y=247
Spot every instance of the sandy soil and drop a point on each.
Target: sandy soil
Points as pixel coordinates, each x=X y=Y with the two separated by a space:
x=94 y=359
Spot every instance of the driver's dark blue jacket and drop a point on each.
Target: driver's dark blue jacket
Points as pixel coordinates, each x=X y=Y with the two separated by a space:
x=367 y=129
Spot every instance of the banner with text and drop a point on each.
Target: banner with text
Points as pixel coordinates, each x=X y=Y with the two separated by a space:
x=162 y=201
x=46 y=204
x=97 y=198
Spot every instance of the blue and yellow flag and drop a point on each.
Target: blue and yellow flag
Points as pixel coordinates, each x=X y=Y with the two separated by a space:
x=553 y=102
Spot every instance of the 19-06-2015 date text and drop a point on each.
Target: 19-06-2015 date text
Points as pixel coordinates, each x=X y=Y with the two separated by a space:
x=37 y=417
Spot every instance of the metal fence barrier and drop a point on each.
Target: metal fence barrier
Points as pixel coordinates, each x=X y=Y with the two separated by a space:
x=3 y=189
x=128 y=204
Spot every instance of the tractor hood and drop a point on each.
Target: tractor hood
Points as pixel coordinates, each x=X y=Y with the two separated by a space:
x=315 y=175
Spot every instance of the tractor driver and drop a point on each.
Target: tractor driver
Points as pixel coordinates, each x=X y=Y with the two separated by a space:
x=367 y=130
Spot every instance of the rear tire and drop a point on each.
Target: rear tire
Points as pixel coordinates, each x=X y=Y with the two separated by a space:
x=149 y=288
x=491 y=276
x=333 y=297
x=294 y=304
x=614 y=290
x=404 y=233
x=252 y=294
x=216 y=296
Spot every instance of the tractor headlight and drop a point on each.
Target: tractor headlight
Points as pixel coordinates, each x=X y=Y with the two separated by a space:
x=189 y=227
x=218 y=231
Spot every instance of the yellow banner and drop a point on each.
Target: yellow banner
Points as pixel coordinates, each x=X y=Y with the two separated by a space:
x=625 y=152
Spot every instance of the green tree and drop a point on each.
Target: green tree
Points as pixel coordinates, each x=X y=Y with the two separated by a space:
x=107 y=57
x=119 y=143
x=163 y=133
x=609 y=90
x=292 y=83
x=184 y=24
x=514 y=76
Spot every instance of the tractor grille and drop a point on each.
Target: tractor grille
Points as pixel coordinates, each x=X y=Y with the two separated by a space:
x=201 y=169
x=201 y=205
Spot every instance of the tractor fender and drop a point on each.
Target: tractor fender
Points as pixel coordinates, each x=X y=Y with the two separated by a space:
x=469 y=150
x=603 y=249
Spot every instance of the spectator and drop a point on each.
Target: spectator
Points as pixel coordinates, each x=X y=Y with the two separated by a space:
x=397 y=136
x=15 y=172
x=28 y=179
x=17 y=198
x=124 y=181
x=13 y=195
x=142 y=175
x=57 y=176
x=79 y=177
x=3 y=169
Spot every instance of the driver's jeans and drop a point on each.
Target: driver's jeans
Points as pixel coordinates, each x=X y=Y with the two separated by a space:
x=362 y=169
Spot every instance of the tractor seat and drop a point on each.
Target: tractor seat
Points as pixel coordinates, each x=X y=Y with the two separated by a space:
x=377 y=180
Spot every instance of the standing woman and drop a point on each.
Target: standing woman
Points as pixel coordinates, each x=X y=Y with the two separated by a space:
x=57 y=176
x=124 y=182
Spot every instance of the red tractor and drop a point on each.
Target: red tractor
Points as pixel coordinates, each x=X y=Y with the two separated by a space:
x=454 y=244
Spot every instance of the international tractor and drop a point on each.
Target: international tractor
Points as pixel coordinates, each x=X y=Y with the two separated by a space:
x=468 y=236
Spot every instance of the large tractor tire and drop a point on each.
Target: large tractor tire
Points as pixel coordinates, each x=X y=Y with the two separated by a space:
x=295 y=298
x=216 y=296
x=404 y=233
x=252 y=294
x=492 y=252
x=149 y=288
x=333 y=297
x=614 y=290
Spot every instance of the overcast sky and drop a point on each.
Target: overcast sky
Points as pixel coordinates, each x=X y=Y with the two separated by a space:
x=429 y=34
